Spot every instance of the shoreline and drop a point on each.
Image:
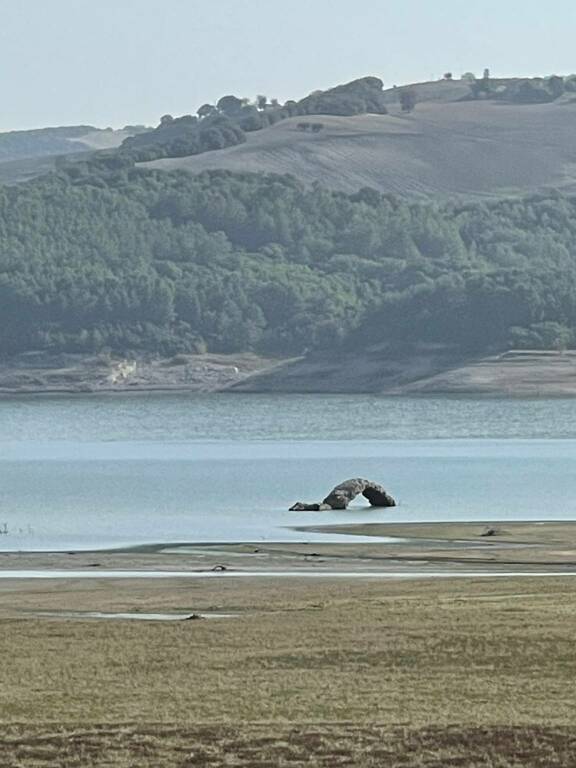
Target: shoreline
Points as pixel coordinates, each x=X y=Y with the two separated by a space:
x=381 y=549
x=390 y=532
x=326 y=575
x=425 y=370
x=479 y=394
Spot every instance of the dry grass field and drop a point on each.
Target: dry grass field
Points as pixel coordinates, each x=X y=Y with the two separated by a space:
x=443 y=148
x=475 y=673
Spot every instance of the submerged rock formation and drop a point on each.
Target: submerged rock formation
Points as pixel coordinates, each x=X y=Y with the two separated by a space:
x=341 y=496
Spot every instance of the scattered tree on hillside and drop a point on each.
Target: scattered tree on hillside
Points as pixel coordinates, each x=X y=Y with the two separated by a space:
x=447 y=76
x=481 y=87
x=290 y=108
x=528 y=92
x=314 y=127
x=468 y=77
x=206 y=110
x=407 y=99
x=555 y=85
x=356 y=98
x=230 y=105
x=250 y=119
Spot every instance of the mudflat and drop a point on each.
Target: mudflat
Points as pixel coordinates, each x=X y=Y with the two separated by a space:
x=392 y=548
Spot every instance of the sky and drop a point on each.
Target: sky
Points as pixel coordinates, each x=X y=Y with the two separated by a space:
x=118 y=62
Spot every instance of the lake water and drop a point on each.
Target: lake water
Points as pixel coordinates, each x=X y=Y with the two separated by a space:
x=92 y=472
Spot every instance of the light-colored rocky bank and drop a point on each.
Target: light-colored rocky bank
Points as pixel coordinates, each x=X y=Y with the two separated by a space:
x=41 y=373
x=426 y=370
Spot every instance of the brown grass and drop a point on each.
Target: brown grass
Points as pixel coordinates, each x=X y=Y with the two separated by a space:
x=451 y=673
x=469 y=652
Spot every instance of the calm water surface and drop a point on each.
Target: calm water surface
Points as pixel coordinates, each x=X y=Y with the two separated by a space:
x=108 y=471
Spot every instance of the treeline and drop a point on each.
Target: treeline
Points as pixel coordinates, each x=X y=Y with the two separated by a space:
x=534 y=90
x=226 y=123
x=112 y=258
x=184 y=136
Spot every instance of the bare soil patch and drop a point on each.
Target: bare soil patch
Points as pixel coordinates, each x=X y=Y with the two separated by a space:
x=269 y=746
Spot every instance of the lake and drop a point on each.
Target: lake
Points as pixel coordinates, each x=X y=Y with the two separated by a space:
x=111 y=471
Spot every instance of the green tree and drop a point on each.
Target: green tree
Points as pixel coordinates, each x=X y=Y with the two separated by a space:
x=407 y=99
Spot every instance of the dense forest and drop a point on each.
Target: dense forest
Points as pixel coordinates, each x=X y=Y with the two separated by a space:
x=104 y=256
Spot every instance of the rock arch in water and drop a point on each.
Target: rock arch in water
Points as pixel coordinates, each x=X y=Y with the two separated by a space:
x=341 y=496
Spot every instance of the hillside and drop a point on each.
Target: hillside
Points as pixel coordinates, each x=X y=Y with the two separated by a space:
x=444 y=147
x=105 y=257
x=372 y=291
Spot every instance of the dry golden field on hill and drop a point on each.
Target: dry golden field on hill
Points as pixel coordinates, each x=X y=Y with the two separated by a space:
x=471 y=148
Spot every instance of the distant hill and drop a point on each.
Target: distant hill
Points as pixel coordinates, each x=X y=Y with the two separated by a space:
x=485 y=137
x=448 y=145
x=25 y=154
x=114 y=253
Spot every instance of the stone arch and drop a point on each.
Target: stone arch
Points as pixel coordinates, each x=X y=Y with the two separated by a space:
x=341 y=496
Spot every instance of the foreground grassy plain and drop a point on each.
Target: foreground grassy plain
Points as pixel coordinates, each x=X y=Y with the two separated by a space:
x=410 y=673
x=474 y=672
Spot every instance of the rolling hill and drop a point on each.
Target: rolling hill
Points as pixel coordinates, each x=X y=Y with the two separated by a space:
x=26 y=154
x=241 y=251
x=447 y=146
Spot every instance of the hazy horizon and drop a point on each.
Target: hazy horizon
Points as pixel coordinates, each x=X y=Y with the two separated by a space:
x=71 y=62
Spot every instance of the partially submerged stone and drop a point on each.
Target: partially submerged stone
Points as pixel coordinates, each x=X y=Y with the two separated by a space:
x=301 y=506
x=341 y=496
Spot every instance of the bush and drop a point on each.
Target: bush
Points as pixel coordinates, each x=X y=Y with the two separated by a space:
x=355 y=98
x=407 y=99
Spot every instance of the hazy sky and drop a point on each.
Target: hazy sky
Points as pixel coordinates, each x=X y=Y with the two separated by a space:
x=112 y=62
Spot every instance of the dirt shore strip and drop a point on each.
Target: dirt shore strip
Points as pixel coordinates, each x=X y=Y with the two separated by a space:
x=390 y=547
